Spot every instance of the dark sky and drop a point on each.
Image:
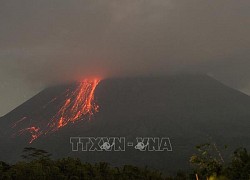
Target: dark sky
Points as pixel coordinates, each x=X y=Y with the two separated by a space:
x=49 y=41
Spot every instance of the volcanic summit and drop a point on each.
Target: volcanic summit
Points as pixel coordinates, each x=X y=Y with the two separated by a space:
x=189 y=109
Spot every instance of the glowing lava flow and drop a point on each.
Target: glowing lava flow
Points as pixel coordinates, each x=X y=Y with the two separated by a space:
x=78 y=105
x=34 y=131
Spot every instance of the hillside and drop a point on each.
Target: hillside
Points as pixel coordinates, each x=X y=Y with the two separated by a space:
x=189 y=109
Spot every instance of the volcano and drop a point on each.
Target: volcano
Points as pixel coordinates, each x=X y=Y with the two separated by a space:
x=189 y=109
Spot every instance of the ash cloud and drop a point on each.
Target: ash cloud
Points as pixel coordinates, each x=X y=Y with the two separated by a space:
x=60 y=40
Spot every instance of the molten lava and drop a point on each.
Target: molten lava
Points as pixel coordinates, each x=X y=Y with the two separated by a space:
x=79 y=104
x=34 y=131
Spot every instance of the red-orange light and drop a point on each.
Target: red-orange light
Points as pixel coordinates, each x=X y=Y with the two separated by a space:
x=79 y=103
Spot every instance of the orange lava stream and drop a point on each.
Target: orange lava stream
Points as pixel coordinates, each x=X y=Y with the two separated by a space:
x=34 y=131
x=78 y=104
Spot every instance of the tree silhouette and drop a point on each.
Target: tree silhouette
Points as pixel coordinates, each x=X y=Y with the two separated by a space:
x=30 y=153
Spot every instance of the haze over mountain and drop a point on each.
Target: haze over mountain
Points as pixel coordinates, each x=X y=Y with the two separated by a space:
x=47 y=42
x=189 y=109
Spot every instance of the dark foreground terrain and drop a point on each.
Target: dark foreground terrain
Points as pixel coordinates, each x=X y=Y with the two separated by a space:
x=37 y=164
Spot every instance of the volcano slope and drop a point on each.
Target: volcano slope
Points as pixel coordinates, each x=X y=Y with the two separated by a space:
x=189 y=109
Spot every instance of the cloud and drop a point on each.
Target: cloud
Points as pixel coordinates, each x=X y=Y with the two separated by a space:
x=53 y=41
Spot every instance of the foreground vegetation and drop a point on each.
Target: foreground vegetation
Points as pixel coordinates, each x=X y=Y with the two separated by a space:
x=207 y=164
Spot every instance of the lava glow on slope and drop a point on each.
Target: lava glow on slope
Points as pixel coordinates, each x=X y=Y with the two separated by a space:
x=79 y=104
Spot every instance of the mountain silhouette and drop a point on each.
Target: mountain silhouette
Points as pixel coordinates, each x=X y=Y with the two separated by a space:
x=189 y=109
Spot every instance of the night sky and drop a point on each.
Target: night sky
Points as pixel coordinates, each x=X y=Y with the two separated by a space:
x=52 y=41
